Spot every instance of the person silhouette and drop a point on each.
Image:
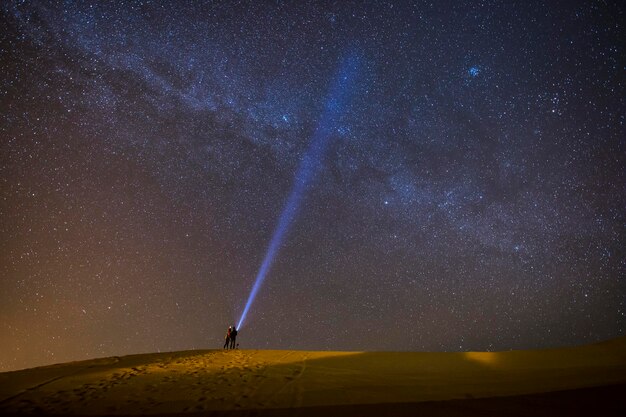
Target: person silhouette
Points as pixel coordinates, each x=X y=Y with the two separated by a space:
x=233 y=337
x=227 y=338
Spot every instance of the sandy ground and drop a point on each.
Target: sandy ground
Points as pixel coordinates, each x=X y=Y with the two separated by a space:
x=587 y=380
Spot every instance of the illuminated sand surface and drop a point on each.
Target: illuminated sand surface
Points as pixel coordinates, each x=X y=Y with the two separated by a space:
x=577 y=380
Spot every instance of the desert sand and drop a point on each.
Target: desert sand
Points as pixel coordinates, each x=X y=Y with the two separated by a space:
x=586 y=380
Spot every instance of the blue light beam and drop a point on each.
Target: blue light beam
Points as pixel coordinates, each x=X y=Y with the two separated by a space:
x=309 y=166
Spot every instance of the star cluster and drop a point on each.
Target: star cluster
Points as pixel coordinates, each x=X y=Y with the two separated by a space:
x=472 y=196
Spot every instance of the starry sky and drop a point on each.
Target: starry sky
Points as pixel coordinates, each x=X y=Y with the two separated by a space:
x=470 y=197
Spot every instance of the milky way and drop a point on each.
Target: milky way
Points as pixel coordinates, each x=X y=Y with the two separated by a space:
x=471 y=197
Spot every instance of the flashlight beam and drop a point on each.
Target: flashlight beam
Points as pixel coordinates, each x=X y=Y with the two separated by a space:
x=307 y=169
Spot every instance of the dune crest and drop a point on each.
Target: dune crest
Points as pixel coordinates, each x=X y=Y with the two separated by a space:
x=283 y=382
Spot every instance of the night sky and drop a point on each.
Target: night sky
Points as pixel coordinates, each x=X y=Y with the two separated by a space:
x=471 y=195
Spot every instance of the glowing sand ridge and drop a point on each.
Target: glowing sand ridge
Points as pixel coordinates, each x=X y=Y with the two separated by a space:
x=307 y=168
x=579 y=381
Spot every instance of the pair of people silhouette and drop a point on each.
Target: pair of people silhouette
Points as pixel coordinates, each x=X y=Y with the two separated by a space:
x=231 y=338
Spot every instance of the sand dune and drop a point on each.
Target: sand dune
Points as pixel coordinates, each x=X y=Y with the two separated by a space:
x=587 y=380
